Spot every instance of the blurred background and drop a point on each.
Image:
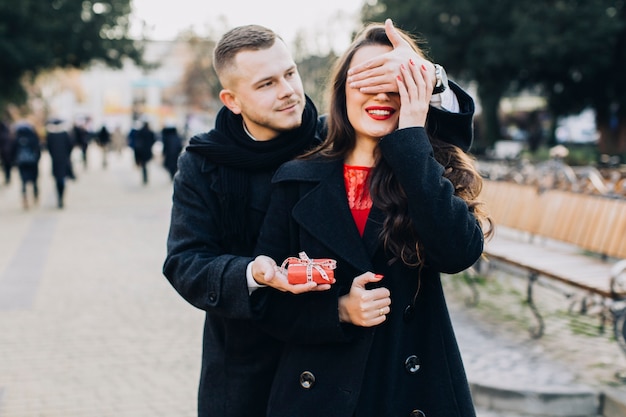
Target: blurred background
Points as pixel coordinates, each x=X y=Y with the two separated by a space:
x=542 y=73
x=88 y=324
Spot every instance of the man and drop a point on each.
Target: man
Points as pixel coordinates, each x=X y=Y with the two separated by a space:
x=221 y=194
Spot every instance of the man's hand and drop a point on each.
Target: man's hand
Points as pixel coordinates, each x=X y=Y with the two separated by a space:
x=378 y=75
x=363 y=307
x=266 y=272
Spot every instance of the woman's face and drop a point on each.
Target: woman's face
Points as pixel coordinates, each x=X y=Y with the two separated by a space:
x=371 y=115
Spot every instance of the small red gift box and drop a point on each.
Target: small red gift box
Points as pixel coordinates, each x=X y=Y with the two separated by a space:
x=303 y=269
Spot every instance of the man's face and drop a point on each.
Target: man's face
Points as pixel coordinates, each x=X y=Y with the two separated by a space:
x=267 y=91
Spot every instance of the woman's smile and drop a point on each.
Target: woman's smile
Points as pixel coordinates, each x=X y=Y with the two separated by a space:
x=380 y=112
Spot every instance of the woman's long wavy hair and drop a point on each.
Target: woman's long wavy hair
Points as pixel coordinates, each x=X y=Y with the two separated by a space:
x=397 y=232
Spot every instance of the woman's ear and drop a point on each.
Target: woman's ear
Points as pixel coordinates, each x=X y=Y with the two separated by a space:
x=230 y=101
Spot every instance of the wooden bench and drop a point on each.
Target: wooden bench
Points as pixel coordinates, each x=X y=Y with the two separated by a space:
x=577 y=240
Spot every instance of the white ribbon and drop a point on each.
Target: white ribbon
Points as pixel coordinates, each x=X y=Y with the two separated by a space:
x=317 y=264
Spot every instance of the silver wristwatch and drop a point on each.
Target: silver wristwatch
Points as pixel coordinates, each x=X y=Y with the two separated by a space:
x=442 y=80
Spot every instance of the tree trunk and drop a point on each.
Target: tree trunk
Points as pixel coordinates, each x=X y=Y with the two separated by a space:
x=490 y=126
x=611 y=127
x=621 y=137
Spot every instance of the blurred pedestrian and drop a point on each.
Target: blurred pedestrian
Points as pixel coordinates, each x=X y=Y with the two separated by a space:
x=172 y=147
x=7 y=144
x=104 y=140
x=81 y=139
x=59 y=145
x=118 y=141
x=27 y=155
x=142 y=142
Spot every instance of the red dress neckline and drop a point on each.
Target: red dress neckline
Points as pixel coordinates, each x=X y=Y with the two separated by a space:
x=357 y=192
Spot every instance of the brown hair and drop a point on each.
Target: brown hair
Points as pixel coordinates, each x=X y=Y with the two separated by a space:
x=241 y=38
x=397 y=231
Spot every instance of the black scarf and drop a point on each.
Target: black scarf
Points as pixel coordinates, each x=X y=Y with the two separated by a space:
x=238 y=157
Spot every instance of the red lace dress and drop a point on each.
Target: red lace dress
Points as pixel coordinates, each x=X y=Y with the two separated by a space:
x=359 y=199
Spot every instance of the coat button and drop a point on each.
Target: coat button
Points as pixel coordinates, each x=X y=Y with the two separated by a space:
x=408 y=313
x=417 y=413
x=212 y=297
x=412 y=364
x=307 y=380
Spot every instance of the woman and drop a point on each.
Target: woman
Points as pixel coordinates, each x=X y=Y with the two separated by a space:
x=394 y=208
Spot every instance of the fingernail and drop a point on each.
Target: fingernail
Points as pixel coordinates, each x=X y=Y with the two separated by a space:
x=379 y=276
x=423 y=67
x=402 y=66
x=399 y=78
x=411 y=61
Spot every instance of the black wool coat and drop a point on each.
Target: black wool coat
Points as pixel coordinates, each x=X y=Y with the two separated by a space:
x=238 y=359
x=411 y=362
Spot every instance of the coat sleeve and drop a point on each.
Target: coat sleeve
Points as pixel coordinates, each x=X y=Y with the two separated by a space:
x=451 y=127
x=310 y=318
x=196 y=265
x=451 y=235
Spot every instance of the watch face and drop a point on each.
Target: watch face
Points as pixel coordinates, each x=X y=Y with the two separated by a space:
x=438 y=75
x=442 y=79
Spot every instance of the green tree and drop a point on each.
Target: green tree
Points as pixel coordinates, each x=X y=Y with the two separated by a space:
x=38 y=35
x=471 y=38
x=577 y=55
x=573 y=50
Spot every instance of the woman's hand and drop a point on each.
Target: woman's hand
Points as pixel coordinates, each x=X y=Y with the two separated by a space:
x=378 y=75
x=363 y=307
x=415 y=89
x=266 y=272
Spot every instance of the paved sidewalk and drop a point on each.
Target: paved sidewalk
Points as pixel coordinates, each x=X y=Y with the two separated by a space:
x=88 y=324
x=89 y=327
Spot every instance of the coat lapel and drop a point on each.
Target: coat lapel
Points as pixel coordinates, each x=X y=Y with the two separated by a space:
x=324 y=213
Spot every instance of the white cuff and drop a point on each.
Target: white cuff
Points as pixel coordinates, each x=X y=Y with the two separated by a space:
x=446 y=100
x=252 y=284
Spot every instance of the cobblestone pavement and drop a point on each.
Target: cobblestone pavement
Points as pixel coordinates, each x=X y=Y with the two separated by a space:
x=90 y=327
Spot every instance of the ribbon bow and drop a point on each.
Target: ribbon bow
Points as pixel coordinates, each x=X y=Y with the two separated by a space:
x=317 y=264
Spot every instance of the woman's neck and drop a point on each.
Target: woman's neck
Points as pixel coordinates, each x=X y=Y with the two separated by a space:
x=363 y=154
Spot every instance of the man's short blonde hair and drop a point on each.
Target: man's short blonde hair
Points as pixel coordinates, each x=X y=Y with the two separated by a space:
x=241 y=38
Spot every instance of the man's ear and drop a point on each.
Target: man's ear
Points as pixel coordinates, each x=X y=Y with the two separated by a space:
x=228 y=98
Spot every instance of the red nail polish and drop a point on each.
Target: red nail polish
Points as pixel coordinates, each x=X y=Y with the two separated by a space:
x=379 y=276
x=402 y=66
x=399 y=78
x=411 y=61
x=423 y=67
